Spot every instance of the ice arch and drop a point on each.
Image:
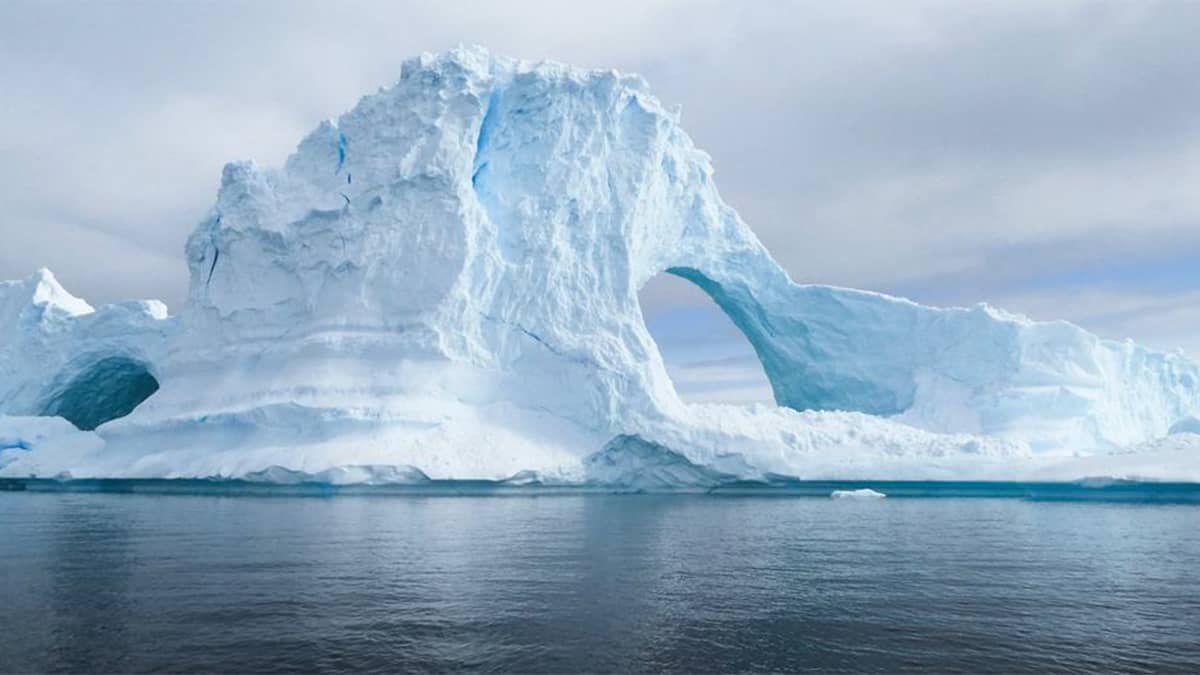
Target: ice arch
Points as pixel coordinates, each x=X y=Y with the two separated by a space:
x=744 y=312
x=815 y=350
x=108 y=389
x=707 y=357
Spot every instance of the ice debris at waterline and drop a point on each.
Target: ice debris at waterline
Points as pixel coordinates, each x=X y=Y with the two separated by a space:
x=444 y=280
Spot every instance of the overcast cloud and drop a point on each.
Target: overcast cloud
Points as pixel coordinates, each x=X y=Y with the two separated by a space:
x=1040 y=156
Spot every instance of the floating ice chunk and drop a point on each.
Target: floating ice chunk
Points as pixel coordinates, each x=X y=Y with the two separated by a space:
x=864 y=493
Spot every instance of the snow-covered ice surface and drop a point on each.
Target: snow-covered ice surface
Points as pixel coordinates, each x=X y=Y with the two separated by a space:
x=1173 y=458
x=442 y=283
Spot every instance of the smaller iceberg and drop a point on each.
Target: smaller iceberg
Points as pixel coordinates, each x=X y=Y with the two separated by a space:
x=864 y=493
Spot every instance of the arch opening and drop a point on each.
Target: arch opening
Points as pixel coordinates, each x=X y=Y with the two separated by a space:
x=707 y=355
x=107 y=390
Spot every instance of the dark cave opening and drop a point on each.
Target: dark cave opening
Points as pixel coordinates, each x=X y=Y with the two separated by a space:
x=109 y=389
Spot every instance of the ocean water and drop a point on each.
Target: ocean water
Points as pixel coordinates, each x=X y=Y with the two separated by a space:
x=593 y=582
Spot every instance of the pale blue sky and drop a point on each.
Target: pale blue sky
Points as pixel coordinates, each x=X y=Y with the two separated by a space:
x=1040 y=156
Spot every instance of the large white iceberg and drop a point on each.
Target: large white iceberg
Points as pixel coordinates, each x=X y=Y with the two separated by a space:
x=446 y=278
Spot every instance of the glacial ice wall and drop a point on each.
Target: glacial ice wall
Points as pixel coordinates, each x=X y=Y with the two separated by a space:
x=446 y=277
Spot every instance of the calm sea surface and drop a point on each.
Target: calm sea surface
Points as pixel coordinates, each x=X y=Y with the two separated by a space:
x=129 y=582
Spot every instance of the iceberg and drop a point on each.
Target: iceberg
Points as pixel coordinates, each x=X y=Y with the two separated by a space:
x=444 y=280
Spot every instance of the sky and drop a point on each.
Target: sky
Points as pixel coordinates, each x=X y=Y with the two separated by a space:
x=1039 y=156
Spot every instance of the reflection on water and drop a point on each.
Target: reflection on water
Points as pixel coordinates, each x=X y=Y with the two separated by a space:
x=90 y=586
x=103 y=582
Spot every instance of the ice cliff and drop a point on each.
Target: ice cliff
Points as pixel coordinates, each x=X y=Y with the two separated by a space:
x=445 y=279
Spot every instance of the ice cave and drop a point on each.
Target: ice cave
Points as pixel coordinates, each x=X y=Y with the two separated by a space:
x=107 y=389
